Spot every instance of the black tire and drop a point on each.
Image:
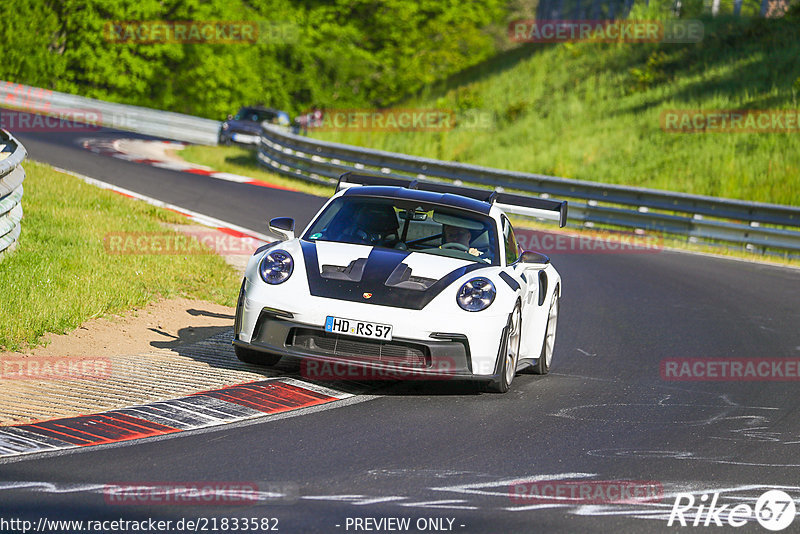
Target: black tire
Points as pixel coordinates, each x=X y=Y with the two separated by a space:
x=255 y=357
x=510 y=359
x=542 y=366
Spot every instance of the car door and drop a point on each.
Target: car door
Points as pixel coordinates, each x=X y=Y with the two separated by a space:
x=527 y=275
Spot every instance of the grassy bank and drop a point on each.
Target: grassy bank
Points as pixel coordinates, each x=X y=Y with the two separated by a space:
x=61 y=275
x=592 y=111
x=238 y=160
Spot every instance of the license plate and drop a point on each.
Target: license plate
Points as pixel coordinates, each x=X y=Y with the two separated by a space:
x=351 y=327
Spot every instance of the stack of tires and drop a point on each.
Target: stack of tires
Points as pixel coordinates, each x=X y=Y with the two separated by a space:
x=12 y=153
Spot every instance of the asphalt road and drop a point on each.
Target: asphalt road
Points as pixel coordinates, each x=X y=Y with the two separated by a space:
x=444 y=452
x=248 y=205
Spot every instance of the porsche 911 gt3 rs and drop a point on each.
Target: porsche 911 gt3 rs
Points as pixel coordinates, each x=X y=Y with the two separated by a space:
x=418 y=278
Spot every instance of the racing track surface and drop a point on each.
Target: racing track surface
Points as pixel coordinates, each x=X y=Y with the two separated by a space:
x=442 y=450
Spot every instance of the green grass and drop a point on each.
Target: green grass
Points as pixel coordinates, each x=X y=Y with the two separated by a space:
x=238 y=160
x=60 y=275
x=591 y=112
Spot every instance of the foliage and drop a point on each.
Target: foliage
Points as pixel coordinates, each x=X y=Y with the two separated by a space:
x=592 y=111
x=326 y=53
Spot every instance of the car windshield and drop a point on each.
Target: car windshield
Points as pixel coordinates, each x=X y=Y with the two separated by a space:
x=407 y=225
x=254 y=115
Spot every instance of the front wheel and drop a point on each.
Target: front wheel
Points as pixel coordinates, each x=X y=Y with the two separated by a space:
x=255 y=357
x=542 y=366
x=511 y=344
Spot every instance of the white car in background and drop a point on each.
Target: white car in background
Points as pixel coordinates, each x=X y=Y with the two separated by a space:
x=416 y=277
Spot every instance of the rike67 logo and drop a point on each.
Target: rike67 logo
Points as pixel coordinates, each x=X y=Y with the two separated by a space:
x=774 y=510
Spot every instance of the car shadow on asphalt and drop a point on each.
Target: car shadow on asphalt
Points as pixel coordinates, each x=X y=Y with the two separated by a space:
x=205 y=313
x=189 y=335
x=213 y=347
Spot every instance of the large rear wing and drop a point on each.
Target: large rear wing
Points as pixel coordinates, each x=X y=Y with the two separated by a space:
x=554 y=210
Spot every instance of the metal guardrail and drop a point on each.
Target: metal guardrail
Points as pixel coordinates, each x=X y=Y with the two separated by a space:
x=121 y=116
x=12 y=153
x=753 y=225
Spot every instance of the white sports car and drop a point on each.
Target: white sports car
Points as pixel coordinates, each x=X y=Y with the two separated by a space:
x=420 y=279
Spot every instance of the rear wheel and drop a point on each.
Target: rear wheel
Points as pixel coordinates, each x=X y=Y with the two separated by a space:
x=542 y=366
x=511 y=345
x=255 y=357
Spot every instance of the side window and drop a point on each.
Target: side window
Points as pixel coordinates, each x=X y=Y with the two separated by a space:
x=512 y=248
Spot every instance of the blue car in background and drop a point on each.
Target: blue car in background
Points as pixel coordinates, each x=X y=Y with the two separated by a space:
x=245 y=127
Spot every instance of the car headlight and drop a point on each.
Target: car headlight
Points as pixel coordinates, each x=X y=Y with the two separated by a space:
x=476 y=294
x=276 y=267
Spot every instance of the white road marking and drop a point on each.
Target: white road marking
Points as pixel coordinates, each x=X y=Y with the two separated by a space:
x=452 y=504
x=472 y=488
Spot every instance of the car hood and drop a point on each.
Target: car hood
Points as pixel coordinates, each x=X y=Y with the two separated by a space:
x=381 y=276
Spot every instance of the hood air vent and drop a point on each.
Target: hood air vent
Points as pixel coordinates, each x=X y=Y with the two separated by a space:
x=401 y=277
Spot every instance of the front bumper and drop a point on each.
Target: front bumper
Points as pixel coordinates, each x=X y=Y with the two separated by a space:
x=471 y=339
x=442 y=358
x=242 y=138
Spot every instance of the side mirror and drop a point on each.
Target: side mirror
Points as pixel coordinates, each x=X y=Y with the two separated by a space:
x=530 y=256
x=282 y=227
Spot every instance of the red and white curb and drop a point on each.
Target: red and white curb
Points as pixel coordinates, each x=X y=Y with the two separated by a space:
x=200 y=410
x=150 y=156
